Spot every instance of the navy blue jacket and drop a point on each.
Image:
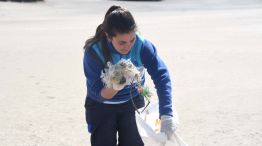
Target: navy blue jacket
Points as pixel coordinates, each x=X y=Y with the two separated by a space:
x=143 y=55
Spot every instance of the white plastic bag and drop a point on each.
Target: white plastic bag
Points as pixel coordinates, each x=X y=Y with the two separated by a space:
x=148 y=125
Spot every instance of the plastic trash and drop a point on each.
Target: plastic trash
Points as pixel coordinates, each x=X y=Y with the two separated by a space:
x=148 y=125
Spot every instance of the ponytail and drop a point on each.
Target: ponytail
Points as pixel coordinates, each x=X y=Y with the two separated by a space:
x=116 y=20
x=100 y=33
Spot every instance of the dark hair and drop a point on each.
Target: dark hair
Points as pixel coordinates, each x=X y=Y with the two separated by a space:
x=117 y=20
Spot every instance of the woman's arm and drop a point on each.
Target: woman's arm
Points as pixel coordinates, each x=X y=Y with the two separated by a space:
x=158 y=71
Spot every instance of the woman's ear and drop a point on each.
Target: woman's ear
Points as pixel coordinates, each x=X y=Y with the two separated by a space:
x=108 y=37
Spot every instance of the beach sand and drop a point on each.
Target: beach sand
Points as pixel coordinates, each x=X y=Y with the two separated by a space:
x=213 y=50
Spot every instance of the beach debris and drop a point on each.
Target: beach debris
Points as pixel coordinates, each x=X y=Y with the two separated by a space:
x=122 y=73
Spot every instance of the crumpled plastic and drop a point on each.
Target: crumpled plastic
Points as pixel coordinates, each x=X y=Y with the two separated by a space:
x=148 y=124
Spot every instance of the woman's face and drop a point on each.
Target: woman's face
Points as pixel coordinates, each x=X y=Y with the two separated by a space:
x=123 y=43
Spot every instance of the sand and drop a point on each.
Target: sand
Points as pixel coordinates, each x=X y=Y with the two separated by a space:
x=213 y=50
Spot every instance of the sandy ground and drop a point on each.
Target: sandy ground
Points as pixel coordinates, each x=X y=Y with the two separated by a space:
x=213 y=50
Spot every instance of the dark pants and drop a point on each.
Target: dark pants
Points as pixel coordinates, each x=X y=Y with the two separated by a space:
x=106 y=120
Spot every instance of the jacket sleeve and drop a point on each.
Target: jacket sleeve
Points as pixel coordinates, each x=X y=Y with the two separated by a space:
x=92 y=70
x=158 y=71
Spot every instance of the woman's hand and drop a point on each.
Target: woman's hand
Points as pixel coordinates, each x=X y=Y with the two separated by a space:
x=168 y=125
x=108 y=93
x=139 y=90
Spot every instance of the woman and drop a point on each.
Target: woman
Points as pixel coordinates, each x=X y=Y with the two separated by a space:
x=110 y=111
